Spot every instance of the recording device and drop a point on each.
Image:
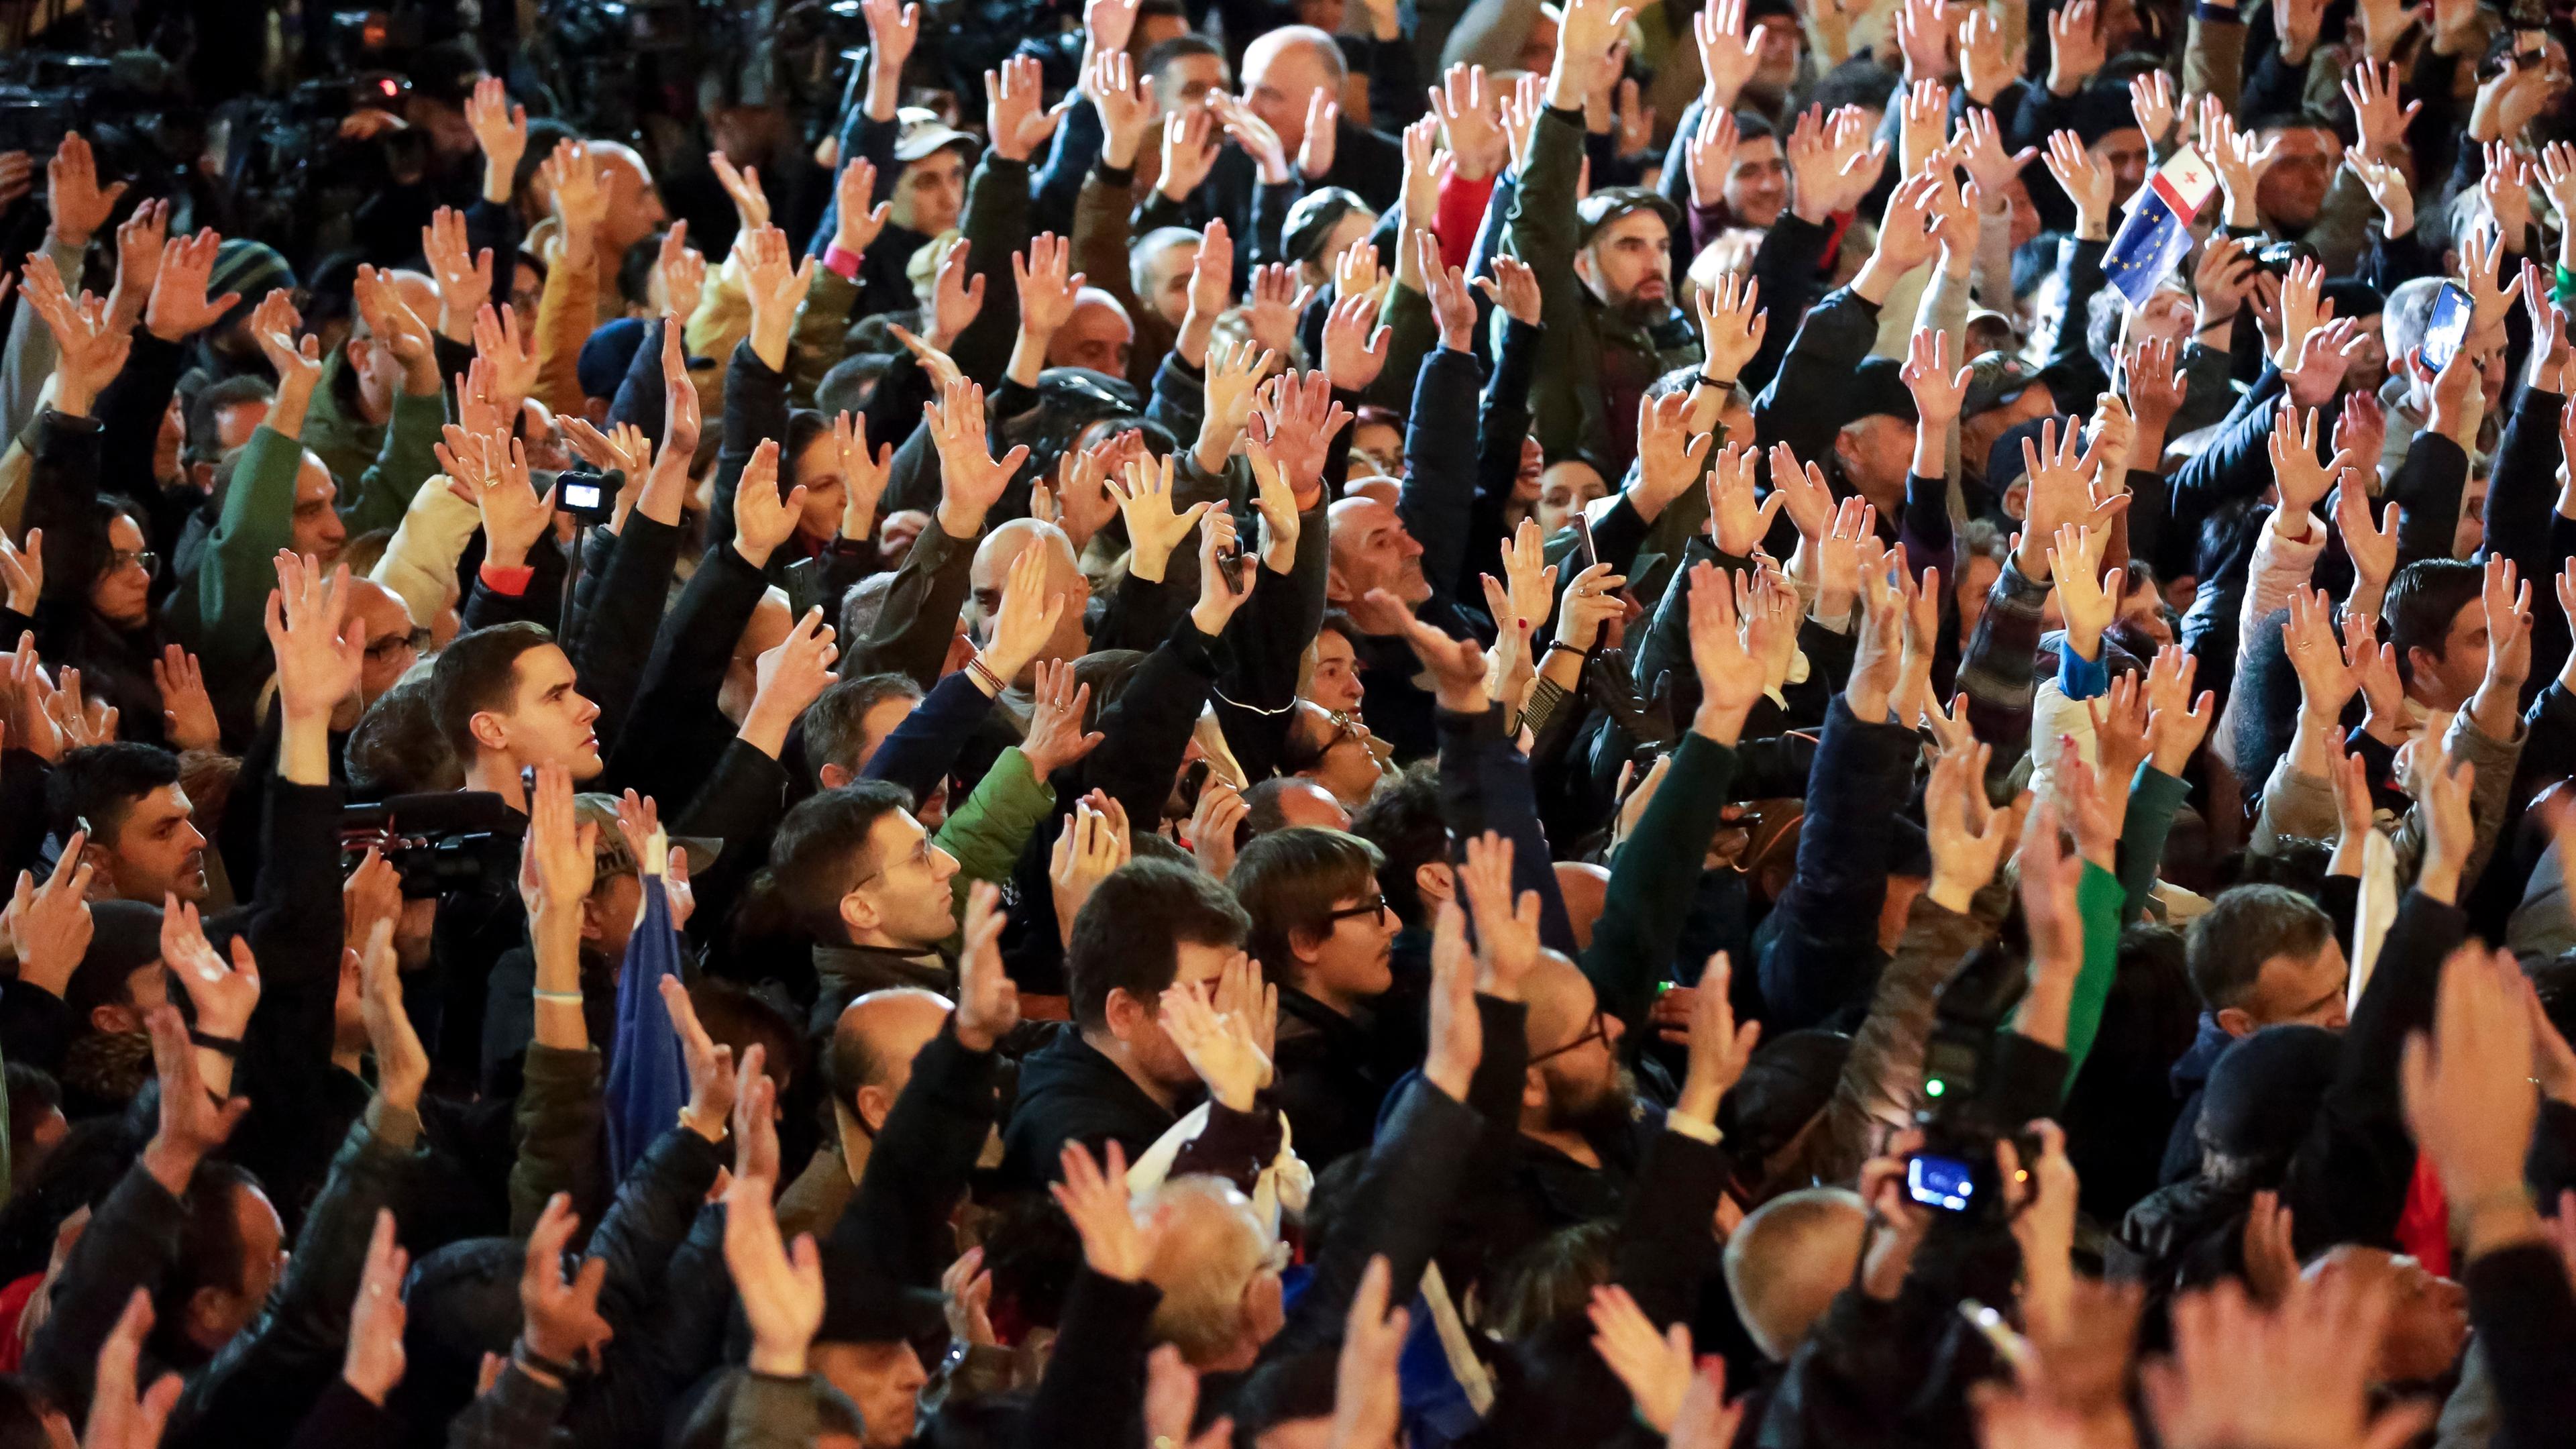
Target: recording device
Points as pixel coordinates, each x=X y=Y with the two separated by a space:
x=2276 y=257
x=585 y=496
x=447 y=840
x=1954 y=1170
x=1231 y=565
x=1585 y=555
x=2448 y=326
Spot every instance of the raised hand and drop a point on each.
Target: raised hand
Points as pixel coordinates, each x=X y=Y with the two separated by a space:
x=49 y=928
x=1113 y=1245
x=80 y=205
x=970 y=479
x=464 y=277
x=1218 y=1046
x=501 y=130
x=1296 y=419
x=2176 y=720
x=1234 y=373
x=1939 y=391
x=319 y=651
x=179 y=307
x=560 y=1321
x=1016 y=109
x=742 y=188
x=1225 y=580
x=580 y=200
x=1154 y=528
x=1470 y=117
x=118 y=1418
x=1367 y=1394
x=776 y=285
x=223 y=995
x=1737 y=522
x=508 y=359
x=1507 y=945
x=1190 y=150
x=193 y=1123
x=2086 y=182
x=374 y=1361
x=1731 y=675
x=1355 y=347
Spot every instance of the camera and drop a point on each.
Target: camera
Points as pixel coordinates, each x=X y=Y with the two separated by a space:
x=448 y=840
x=1954 y=1170
x=586 y=496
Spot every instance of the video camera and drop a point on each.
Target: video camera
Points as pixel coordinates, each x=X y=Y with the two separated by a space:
x=1954 y=1170
x=448 y=840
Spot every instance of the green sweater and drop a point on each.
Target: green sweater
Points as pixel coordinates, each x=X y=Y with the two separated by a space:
x=986 y=833
x=1652 y=881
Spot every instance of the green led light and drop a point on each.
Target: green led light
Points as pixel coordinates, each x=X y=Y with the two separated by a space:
x=1935 y=1087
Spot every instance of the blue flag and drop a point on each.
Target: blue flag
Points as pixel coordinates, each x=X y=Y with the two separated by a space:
x=648 y=1072
x=2157 y=230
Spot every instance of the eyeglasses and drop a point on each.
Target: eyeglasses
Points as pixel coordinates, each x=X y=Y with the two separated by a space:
x=1598 y=1030
x=1374 y=906
x=142 y=558
x=392 y=644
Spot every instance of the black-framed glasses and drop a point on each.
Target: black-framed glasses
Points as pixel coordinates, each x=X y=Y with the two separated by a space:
x=1598 y=1030
x=1373 y=905
x=389 y=645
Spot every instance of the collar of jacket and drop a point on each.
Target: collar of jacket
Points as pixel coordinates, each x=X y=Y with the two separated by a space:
x=1671 y=333
x=877 y=968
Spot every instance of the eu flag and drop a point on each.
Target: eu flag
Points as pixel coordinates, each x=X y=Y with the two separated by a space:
x=2157 y=230
x=648 y=1073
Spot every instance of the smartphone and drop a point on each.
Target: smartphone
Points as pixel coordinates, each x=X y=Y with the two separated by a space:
x=2448 y=326
x=1230 y=566
x=1946 y=1183
x=585 y=497
x=1584 y=554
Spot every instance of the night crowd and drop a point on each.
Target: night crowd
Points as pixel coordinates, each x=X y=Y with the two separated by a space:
x=1342 y=723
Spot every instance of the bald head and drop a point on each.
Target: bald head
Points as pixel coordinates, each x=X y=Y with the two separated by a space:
x=1097 y=335
x=1586 y=889
x=991 y=570
x=1786 y=1262
x=1282 y=71
x=1211 y=1249
x=873 y=1045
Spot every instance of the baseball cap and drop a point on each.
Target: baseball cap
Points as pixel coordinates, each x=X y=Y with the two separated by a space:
x=919 y=132
x=1611 y=203
x=1994 y=380
x=1878 y=389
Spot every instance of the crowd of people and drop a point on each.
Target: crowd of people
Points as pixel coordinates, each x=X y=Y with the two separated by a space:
x=1463 y=723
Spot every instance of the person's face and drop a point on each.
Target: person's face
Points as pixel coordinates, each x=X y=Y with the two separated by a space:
x=2026 y=223
x=1976 y=579
x=1167 y=281
x=1875 y=453
x=1324 y=15
x=2291 y=193
x=1630 y=264
x=1350 y=962
x=1382 y=443
x=158 y=850
x=2445 y=681
x=1775 y=54
x=549 y=722
x=444 y=124
x=2295 y=990
x=1336 y=684
x=1582 y=1080
x=1279 y=81
x=1349 y=769
x=317 y=532
x=235 y=423
x=526 y=288
x=1563 y=490
x=167 y=443
x=2124 y=154
x=634 y=206
x=1757 y=182
x=2142 y=609
x=217 y=1316
x=2471 y=529
x=1149 y=1044
x=818 y=470
x=1373 y=550
x=1525 y=483
x=1186 y=81
x=1977 y=434
x=1356 y=226
x=883 y=1379
x=391 y=650
x=904 y=899
x=931 y=192
x=608 y=915
x=1097 y=336
x=2428 y=1324
x=2167 y=317
x=122 y=594
x=2367 y=366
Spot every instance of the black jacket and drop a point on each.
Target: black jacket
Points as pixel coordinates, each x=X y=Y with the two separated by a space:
x=1069 y=1092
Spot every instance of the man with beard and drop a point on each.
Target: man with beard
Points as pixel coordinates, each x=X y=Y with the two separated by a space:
x=1605 y=269
x=1583 y=1127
